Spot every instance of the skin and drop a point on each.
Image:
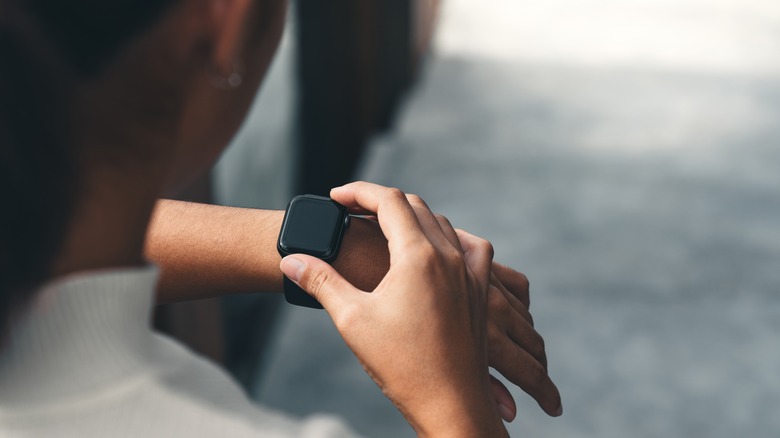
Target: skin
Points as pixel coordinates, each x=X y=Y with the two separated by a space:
x=435 y=289
x=207 y=251
x=152 y=122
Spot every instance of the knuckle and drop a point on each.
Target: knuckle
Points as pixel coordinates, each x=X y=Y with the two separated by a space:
x=494 y=341
x=541 y=342
x=425 y=256
x=496 y=301
x=538 y=346
x=487 y=247
x=493 y=332
x=443 y=219
x=316 y=282
x=427 y=252
x=537 y=374
x=523 y=281
x=543 y=359
x=347 y=316
x=454 y=257
x=395 y=193
x=416 y=200
x=531 y=320
x=466 y=239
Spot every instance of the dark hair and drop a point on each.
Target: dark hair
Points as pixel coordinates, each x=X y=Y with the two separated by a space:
x=47 y=48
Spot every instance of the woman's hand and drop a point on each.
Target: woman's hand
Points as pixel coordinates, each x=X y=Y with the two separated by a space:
x=516 y=350
x=422 y=334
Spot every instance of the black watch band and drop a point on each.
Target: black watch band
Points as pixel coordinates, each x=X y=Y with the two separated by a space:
x=295 y=295
x=315 y=226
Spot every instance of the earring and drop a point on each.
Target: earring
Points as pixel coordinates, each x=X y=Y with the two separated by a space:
x=229 y=81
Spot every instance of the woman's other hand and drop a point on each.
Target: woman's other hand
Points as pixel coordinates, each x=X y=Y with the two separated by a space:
x=515 y=348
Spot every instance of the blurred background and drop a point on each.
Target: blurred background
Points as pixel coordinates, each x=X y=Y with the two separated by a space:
x=623 y=154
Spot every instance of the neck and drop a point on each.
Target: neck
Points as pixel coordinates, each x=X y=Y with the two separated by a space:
x=109 y=224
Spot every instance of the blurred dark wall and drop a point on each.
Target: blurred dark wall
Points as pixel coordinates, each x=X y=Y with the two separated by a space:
x=356 y=60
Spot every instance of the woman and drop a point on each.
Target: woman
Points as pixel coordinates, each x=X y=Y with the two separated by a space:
x=105 y=107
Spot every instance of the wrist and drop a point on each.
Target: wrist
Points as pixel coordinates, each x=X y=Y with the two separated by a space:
x=364 y=258
x=459 y=414
x=455 y=403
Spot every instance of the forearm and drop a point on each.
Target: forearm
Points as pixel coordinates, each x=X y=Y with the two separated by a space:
x=206 y=251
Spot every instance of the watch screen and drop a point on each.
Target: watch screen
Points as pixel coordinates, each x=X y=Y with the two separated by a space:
x=311 y=226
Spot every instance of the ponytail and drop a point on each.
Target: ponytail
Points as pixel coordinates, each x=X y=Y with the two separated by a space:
x=47 y=48
x=36 y=173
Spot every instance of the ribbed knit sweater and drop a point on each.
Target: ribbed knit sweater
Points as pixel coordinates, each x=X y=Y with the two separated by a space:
x=83 y=362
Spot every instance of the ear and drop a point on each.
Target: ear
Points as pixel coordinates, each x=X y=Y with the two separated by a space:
x=228 y=18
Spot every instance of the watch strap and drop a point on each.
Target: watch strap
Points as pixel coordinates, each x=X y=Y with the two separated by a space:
x=295 y=295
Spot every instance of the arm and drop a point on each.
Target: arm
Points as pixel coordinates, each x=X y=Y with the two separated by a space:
x=207 y=250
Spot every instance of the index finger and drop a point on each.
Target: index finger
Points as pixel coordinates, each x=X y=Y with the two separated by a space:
x=478 y=253
x=395 y=215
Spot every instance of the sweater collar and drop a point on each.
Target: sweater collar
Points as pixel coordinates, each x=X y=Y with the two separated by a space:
x=81 y=333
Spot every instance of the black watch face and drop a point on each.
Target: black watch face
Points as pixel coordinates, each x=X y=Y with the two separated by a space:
x=313 y=226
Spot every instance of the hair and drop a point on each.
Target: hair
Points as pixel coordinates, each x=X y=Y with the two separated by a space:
x=48 y=48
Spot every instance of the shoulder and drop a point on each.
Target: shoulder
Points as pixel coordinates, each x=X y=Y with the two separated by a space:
x=185 y=395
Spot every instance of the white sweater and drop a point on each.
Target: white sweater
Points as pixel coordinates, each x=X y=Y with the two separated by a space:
x=84 y=362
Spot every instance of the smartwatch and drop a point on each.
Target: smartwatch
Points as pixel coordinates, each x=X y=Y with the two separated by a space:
x=313 y=225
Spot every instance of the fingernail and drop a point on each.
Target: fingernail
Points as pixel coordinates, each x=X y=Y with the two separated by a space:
x=559 y=412
x=293 y=268
x=506 y=413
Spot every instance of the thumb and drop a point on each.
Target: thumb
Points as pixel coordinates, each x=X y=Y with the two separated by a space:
x=504 y=400
x=320 y=280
